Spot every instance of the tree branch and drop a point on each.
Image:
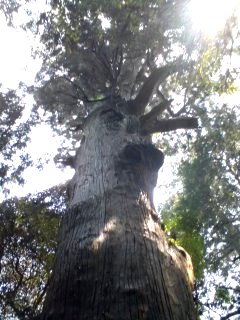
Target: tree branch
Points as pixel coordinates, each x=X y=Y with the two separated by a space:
x=237 y=289
x=155 y=112
x=155 y=126
x=76 y=86
x=235 y=259
x=231 y=314
x=138 y=105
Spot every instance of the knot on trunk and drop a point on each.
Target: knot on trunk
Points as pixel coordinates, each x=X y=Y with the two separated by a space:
x=142 y=154
x=112 y=119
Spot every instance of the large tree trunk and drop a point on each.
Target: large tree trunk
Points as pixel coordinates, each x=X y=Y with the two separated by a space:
x=113 y=260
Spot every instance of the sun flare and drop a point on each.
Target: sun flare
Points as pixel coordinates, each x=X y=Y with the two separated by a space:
x=210 y=16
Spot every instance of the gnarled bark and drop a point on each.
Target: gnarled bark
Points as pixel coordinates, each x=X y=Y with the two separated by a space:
x=113 y=259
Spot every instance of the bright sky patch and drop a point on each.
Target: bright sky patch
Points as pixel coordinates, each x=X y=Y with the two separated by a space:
x=210 y=16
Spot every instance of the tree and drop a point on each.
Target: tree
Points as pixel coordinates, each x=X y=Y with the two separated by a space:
x=113 y=260
x=27 y=245
x=205 y=215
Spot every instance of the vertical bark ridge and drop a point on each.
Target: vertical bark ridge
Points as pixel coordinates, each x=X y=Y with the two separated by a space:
x=160 y=288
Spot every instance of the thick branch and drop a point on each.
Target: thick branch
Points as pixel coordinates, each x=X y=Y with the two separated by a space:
x=155 y=112
x=138 y=105
x=155 y=126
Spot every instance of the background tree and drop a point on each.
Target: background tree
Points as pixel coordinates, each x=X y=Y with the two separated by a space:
x=28 y=236
x=205 y=215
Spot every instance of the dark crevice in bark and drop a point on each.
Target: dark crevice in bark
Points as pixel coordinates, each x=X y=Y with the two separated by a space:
x=145 y=154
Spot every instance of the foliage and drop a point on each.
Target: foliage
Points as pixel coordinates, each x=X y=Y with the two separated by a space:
x=8 y=8
x=14 y=135
x=205 y=215
x=28 y=233
x=93 y=51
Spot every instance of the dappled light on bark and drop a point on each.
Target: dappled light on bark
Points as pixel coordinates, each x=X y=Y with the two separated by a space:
x=108 y=228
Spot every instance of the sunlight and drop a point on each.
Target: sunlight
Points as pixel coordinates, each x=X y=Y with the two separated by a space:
x=16 y=63
x=210 y=16
x=106 y=23
x=109 y=227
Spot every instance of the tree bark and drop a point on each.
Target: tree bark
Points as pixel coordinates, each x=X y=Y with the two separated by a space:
x=113 y=259
x=158 y=75
x=154 y=125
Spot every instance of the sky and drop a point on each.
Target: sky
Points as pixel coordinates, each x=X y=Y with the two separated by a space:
x=15 y=68
x=209 y=16
x=22 y=67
